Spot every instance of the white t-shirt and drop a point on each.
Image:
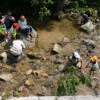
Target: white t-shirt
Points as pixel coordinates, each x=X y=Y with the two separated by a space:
x=22 y=24
x=76 y=55
x=17 y=47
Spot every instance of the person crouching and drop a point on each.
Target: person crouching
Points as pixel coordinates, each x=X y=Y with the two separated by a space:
x=17 y=47
x=76 y=60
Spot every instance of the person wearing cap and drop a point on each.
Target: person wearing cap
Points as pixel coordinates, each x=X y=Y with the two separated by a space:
x=76 y=60
x=14 y=29
x=93 y=63
x=24 y=27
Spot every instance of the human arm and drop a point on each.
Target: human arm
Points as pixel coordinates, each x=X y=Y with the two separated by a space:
x=23 y=45
x=81 y=63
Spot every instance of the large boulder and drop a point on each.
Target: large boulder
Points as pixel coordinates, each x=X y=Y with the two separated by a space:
x=89 y=26
x=29 y=42
x=59 y=15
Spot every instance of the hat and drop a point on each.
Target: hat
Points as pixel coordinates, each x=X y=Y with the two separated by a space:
x=94 y=58
x=15 y=25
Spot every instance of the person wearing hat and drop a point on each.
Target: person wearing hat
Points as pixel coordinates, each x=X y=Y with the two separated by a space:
x=93 y=63
x=76 y=60
x=14 y=29
x=24 y=27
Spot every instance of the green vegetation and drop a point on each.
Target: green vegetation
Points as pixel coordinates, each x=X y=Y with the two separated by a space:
x=67 y=85
x=41 y=9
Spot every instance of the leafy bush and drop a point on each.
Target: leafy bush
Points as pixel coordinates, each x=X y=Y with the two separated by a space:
x=67 y=85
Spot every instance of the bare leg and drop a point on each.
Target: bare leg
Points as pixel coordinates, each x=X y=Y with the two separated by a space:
x=5 y=37
x=91 y=72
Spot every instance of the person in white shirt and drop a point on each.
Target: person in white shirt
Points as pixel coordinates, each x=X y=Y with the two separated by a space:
x=76 y=59
x=17 y=46
x=24 y=27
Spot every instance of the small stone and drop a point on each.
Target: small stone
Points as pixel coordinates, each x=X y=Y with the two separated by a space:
x=29 y=72
x=66 y=40
x=61 y=67
x=49 y=84
x=88 y=41
x=58 y=61
x=44 y=89
x=57 y=48
x=44 y=58
x=6 y=77
x=29 y=82
x=45 y=75
x=21 y=89
x=32 y=55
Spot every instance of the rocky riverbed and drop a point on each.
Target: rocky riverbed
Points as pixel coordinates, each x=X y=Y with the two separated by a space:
x=39 y=72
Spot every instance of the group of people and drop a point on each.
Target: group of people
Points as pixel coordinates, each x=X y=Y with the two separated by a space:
x=9 y=27
x=76 y=61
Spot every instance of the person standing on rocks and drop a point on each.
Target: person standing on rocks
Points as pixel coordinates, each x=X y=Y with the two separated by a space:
x=76 y=60
x=93 y=63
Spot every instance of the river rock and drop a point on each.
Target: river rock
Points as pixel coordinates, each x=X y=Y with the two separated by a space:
x=29 y=82
x=57 y=48
x=61 y=67
x=29 y=72
x=66 y=40
x=45 y=75
x=28 y=42
x=6 y=77
x=58 y=61
x=87 y=42
x=21 y=89
x=89 y=26
x=44 y=89
x=32 y=55
x=49 y=84
x=59 y=15
x=4 y=57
